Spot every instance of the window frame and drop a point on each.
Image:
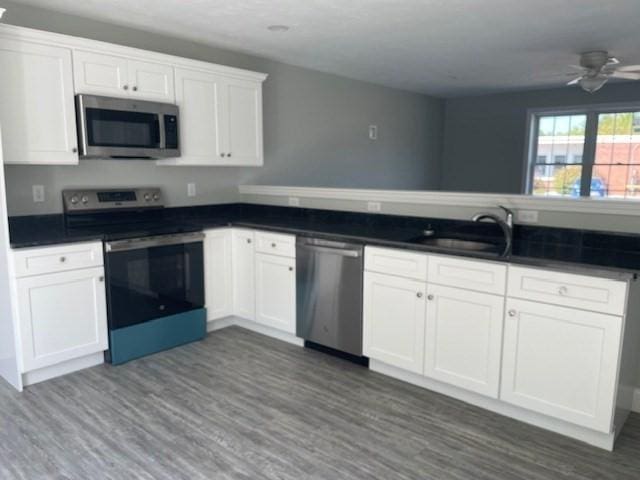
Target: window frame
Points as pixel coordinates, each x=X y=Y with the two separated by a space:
x=590 y=139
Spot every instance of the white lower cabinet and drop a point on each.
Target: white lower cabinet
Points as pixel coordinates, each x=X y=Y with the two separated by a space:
x=62 y=316
x=464 y=338
x=561 y=362
x=218 y=273
x=244 y=298
x=276 y=292
x=394 y=320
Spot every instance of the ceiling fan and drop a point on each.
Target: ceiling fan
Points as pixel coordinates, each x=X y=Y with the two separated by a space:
x=597 y=67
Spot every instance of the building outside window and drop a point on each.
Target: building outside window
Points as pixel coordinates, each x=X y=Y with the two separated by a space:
x=593 y=152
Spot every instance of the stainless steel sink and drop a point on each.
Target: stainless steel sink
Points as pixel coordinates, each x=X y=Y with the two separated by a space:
x=457 y=244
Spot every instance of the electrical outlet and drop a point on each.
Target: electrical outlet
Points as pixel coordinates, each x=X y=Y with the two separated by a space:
x=528 y=216
x=38 y=193
x=374 y=206
x=373 y=132
x=294 y=202
x=191 y=189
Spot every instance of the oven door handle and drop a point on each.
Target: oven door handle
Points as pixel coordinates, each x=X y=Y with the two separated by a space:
x=150 y=242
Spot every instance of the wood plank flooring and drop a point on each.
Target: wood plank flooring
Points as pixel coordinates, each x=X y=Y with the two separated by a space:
x=242 y=406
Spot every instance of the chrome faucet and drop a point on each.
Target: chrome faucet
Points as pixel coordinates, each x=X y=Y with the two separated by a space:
x=506 y=225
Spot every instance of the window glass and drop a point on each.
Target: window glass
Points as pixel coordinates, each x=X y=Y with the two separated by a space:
x=561 y=138
x=616 y=169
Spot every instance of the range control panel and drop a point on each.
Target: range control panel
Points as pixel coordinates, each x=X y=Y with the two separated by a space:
x=89 y=200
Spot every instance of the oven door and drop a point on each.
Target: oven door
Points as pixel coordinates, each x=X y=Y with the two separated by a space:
x=123 y=128
x=153 y=277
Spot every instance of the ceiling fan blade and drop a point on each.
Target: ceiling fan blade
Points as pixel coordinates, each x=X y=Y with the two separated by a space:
x=626 y=75
x=576 y=67
x=574 y=81
x=628 y=68
x=613 y=61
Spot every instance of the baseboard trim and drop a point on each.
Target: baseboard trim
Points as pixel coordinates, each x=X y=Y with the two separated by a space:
x=46 y=373
x=592 y=437
x=214 y=325
x=636 y=401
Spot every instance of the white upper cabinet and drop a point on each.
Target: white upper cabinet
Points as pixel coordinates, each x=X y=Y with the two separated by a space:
x=220 y=119
x=561 y=362
x=464 y=338
x=101 y=74
x=37 y=110
x=151 y=81
x=198 y=95
x=242 y=110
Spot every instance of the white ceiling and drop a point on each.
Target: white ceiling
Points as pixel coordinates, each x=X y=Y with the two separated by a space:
x=440 y=47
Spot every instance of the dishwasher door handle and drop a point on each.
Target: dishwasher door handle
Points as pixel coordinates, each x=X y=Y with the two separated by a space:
x=343 y=252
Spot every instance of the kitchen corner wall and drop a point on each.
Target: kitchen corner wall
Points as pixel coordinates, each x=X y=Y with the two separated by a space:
x=315 y=130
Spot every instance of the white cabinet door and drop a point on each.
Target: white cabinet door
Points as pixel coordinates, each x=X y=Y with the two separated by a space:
x=100 y=74
x=62 y=316
x=276 y=292
x=561 y=362
x=464 y=338
x=394 y=321
x=243 y=274
x=37 y=109
x=243 y=113
x=202 y=132
x=218 y=273
x=151 y=81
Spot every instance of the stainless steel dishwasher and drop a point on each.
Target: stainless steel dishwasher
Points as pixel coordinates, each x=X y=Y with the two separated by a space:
x=329 y=294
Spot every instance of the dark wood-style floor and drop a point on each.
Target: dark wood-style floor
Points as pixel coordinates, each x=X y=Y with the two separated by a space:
x=243 y=406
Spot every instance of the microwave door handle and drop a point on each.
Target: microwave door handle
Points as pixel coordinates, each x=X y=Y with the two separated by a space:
x=161 y=125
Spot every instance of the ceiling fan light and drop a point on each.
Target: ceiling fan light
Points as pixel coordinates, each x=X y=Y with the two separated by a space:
x=592 y=84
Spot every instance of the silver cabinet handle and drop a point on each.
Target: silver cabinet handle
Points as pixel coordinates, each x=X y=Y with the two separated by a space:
x=419 y=294
x=563 y=290
x=430 y=297
x=248 y=240
x=222 y=155
x=63 y=259
x=135 y=89
x=126 y=87
x=273 y=245
x=512 y=313
x=291 y=269
x=228 y=154
x=101 y=279
x=74 y=150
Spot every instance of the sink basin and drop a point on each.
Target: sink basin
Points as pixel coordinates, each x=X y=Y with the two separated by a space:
x=457 y=244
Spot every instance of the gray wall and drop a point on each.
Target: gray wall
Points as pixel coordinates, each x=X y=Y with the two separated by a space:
x=484 y=136
x=315 y=130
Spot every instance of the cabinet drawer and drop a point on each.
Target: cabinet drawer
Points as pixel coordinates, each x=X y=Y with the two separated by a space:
x=471 y=274
x=36 y=261
x=396 y=262
x=568 y=289
x=276 y=244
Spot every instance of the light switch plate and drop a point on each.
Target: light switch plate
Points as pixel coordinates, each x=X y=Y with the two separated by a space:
x=373 y=132
x=191 y=189
x=38 y=193
x=374 y=206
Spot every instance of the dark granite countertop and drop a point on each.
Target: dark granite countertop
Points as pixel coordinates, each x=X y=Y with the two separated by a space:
x=596 y=253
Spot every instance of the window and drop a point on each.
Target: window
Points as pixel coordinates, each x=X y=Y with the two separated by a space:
x=595 y=152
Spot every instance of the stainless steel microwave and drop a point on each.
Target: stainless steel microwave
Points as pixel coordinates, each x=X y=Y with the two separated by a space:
x=126 y=128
